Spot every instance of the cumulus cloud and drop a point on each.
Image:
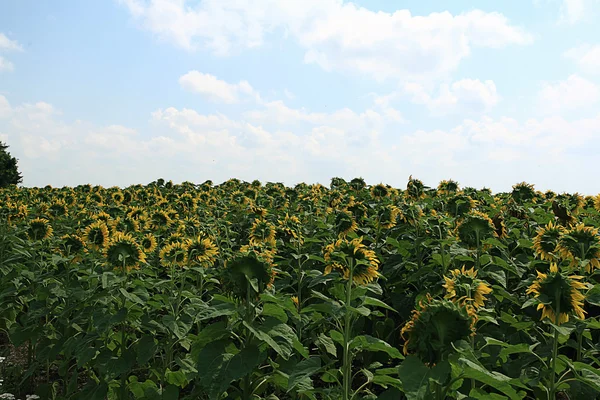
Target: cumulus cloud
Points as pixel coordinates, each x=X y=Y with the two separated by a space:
x=216 y=89
x=292 y=145
x=7 y=44
x=586 y=56
x=573 y=11
x=335 y=35
x=465 y=96
x=573 y=93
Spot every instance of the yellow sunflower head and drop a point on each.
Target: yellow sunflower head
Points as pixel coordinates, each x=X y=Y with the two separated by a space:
x=248 y=274
x=39 y=229
x=380 y=191
x=290 y=229
x=460 y=204
x=434 y=326
x=500 y=226
x=448 y=186
x=174 y=254
x=358 y=184
x=415 y=189
x=117 y=197
x=125 y=224
x=202 y=251
x=123 y=252
x=557 y=292
x=352 y=258
x=523 y=192
x=71 y=245
x=546 y=241
x=475 y=228
x=262 y=232
x=136 y=212
x=464 y=287
x=58 y=208
x=388 y=216
x=581 y=244
x=148 y=243
x=96 y=235
x=344 y=223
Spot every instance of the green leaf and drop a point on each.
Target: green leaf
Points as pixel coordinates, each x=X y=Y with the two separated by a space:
x=370 y=343
x=276 y=311
x=279 y=336
x=593 y=295
x=480 y=394
x=498 y=381
x=131 y=297
x=145 y=348
x=327 y=343
x=370 y=301
x=413 y=375
x=176 y=378
x=302 y=372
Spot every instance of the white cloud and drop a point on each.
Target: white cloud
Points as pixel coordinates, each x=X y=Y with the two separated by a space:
x=292 y=145
x=5 y=108
x=215 y=89
x=6 y=65
x=7 y=44
x=586 y=56
x=573 y=93
x=335 y=35
x=573 y=11
x=466 y=95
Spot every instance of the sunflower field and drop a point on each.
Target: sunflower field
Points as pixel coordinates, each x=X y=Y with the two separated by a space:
x=244 y=291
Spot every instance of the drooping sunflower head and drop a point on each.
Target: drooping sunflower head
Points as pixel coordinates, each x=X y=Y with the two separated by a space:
x=159 y=219
x=258 y=212
x=500 y=226
x=415 y=189
x=344 y=223
x=475 y=228
x=58 y=208
x=136 y=212
x=460 y=204
x=174 y=254
x=39 y=229
x=358 y=184
x=558 y=292
x=523 y=192
x=248 y=274
x=597 y=203
x=379 y=191
x=101 y=216
x=96 y=235
x=546 y=241
x=448 y=186
x=434 y=326
x=352 y=258
x=464 y=287
x=290 y=229
x=123 y=252
x=71 y=245
x=262 y=232
x=388 y=216
x=148 y=243
x=202 y=251
x=174 y=237
x=125 y=224
x=581 y=244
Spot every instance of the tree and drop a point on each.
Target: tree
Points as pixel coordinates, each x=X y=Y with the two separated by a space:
x=9 y=173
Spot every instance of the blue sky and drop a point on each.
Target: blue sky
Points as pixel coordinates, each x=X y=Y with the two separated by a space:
x=118 y=92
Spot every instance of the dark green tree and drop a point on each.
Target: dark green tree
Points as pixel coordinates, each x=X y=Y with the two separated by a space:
x=9 y=172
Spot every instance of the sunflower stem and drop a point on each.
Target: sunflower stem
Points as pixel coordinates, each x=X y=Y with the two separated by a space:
x=347 y=359
x=552 y=394
x=579 y=344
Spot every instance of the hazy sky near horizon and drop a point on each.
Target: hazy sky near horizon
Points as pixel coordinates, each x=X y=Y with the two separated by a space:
x=118 y=92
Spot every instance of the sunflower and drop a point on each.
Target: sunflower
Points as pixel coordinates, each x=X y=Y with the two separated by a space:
x=290 y=229
x=379 y=191
x=523 y=192
x=159 y=219
x=464 y=287
x=581 y=243
x=296 y=301
x=447 y=186
x=70 y=245
x=136 y=212
x=546 y=241
x=358 y=184
x=434 y=326
x=388 y=216
x=475 y=228
x=148 y=243
x=101 y=216
x=415 y=189
x=262 y=232
x=364 y=261
x=357 y=208
x=174 y=237
x=39 y=229
x=117 y=197
x=123 y=252
x=202 y=251
x=460 y=204
x=174 y=254
x=498 y=221
x=558 y=292
x=344 y=223
x=597 y=203
x=125 y=224
x=259 y=212
x=58 y=209
x=248 y=274
x=96 y=235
